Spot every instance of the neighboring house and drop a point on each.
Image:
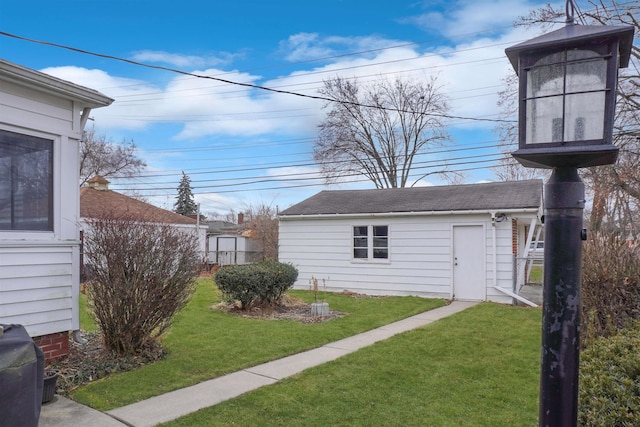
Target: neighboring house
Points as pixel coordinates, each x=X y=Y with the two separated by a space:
x=41 y=123
x=231 y=244
x=453 y=242
x=97 y=200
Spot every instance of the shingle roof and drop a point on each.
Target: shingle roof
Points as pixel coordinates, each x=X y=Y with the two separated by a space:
x=94 y=203
x=487 y=196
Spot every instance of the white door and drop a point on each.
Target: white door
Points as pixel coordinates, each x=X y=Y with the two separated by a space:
x=226 y=250
x=468 y=263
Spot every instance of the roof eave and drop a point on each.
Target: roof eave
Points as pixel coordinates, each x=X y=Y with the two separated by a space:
x=32 y=78
x=417 y=213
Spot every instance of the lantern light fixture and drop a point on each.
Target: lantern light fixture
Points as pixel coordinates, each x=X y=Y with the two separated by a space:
x=567 y=94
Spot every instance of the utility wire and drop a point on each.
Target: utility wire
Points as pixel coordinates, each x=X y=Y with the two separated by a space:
x=259 y=180
x=281 y=166
x=248 y=85
x=286 y=187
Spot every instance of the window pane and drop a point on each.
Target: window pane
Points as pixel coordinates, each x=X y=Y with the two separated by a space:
x=360 y=242
x=380 y=242
x=380 y=230
x=360 y=230
x=26 y=182
x=380 y=253
x=360 y=253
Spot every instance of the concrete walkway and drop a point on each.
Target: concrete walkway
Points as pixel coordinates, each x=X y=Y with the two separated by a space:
x=175 y=404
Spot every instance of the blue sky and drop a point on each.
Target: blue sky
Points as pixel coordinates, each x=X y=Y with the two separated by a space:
x=244 y=146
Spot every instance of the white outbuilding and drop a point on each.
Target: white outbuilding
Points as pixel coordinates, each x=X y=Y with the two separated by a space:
x=454 y=242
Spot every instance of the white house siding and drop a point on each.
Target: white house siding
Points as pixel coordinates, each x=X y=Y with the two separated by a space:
x=38 y=287
x=420 y=254
x=39 y=271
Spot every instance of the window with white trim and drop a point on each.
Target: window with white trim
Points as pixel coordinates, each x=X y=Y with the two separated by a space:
x=370 y=242
x=26 y=182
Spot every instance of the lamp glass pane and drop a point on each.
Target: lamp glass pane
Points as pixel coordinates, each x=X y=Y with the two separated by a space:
x=584 y=116
x=566 y=97
x=546 y=77
x=544 y=120
x=586 y=70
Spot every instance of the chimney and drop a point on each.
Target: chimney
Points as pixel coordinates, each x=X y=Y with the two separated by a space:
x=240 y=218
x=98 y=183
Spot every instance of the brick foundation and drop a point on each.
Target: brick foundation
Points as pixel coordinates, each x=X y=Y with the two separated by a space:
x=54 y=346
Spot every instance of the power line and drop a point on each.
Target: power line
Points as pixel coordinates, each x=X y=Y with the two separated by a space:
x=294 y=186
x=443 y=167
x=286 y=165
x=230 y=82
x=290 y=176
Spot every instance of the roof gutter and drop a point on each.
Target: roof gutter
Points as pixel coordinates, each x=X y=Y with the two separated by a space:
x=47 y=83
x=400 y=214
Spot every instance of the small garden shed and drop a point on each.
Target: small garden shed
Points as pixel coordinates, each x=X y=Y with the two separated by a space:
x=453 y=242
x=41 y=122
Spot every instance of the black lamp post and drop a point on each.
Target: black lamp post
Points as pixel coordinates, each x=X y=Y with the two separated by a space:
x=568 y=81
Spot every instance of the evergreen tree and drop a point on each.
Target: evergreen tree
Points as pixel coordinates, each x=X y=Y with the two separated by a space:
x=185 y=203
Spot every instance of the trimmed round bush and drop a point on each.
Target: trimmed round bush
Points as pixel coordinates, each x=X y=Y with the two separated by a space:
x=262 y=283
x=610 y=381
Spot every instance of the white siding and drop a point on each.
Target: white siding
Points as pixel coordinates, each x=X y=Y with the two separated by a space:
x=39 y=287
x=39 y=271
x=420 y=254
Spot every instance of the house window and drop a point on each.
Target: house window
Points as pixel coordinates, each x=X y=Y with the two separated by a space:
x=26 y=182
x=370 y=242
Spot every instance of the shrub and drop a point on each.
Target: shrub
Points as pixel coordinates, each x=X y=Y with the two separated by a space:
x=143 y=274
x=610 y=285
x=610 y=381
x=262 y=283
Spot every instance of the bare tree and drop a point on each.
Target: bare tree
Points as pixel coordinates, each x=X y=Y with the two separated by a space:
x=101 y=156
x=262 y=220
x=379 y=130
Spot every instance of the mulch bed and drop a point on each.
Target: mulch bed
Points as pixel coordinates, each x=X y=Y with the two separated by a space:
x=289 y=309
x=91 y=361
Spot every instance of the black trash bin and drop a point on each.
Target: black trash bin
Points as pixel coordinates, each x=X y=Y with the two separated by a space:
x=21 y=377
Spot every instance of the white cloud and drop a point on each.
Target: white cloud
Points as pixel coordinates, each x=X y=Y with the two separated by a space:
x=471 y=74
x=469 y=17
x=183 y=61
x=311 y=46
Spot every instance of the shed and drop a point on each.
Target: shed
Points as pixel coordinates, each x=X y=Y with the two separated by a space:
x=453 y=242
x=41 y=122
x=231 y=244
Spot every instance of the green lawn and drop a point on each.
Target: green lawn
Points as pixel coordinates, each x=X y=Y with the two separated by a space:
x=205 y=343
x=86 y=321
x=536 y=275
x=477 y=368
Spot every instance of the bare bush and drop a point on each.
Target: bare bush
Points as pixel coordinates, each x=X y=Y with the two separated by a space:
x=610 y=285
x=143 y=274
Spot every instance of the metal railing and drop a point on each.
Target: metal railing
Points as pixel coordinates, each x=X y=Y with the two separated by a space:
x=223 y=258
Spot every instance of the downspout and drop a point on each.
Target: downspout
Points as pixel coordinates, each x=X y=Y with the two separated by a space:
x=494 y=243
x=78 y=338
x=76 y=334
